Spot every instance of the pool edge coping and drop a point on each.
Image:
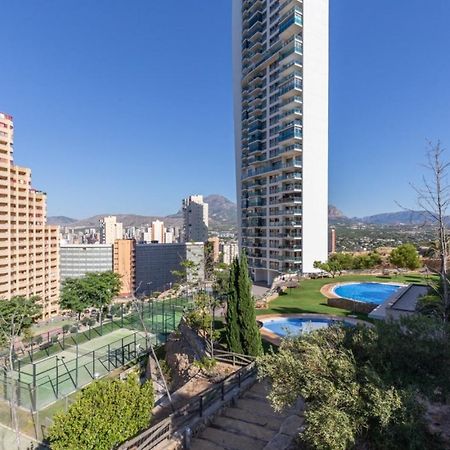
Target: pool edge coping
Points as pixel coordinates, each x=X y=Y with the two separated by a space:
x=275 y=339
x=328 y=289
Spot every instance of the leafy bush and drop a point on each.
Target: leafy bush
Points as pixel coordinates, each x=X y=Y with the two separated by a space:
x=66 y=328
x=206 y=364
x=54 y=338
x=74 y=329
x=364 y=383
x=38 y=340
x=105 y=414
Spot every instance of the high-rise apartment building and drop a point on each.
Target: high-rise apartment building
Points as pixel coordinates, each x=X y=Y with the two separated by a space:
x=110 y=230
x=76 y=260
x=158 y=231
x=29 y=249
x=280 y=71
x=125 y=265
x=195 y=215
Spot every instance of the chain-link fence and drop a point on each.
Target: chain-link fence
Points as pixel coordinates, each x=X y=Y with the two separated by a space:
x=46 y=378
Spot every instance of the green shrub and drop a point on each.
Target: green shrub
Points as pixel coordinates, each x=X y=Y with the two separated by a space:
x=66 y=328
x=105 y=414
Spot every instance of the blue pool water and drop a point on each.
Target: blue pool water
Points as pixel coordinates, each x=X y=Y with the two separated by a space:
x=375 y=293
x=296 y=325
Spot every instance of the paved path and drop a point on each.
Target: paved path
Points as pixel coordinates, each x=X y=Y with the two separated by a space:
x=250 y=424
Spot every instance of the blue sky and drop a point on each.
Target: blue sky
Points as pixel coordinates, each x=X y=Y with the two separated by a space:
x=127 y=106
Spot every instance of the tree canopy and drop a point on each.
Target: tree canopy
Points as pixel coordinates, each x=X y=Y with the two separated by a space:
x=94 y=289
x=405 y=256
x=362 y=384
x=17 y=315
x=338 y=262
x=104 y=414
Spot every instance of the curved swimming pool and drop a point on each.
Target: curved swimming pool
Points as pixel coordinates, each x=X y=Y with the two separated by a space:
x=375 y=293
x=282 y=326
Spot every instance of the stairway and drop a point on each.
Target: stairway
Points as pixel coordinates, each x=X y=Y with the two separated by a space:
x=251 y=424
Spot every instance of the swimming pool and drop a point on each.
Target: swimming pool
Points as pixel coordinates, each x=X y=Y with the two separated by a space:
x=282 y=326
x=375 y=293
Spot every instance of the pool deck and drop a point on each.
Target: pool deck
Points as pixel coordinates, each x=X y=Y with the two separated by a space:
x=275 y=339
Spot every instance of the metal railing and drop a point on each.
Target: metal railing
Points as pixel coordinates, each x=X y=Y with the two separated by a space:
x=179 y=421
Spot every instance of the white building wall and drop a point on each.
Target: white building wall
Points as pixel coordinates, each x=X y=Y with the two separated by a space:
x=315 y=132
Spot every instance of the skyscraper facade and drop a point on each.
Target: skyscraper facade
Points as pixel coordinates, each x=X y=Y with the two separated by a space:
x=195 y=219
x=280 y=77
x=110 y=230
x=125 y=265
x=29 y=249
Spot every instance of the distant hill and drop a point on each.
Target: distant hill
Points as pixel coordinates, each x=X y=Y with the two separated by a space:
x=62 y=221
x=334 y=213
x=398 y=218
x=222 y=216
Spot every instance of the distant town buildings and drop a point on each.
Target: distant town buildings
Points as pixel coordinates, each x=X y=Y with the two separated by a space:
x=230 y=250
x=77 y=259
x=215 y=244
x=195 y=219
x=155 y=264
x=110 y=230
x=158 y=232
x=332 y=240
x=29 y=249
x=125 y=265
x=280 y=53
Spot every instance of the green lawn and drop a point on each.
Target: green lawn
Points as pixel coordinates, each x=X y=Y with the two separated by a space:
x=308 y=299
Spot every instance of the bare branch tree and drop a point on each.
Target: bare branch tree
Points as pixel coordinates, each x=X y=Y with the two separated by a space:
x=16 y=316
x=433 y=198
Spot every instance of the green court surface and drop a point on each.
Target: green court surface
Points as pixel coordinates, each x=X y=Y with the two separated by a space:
x=72 y=368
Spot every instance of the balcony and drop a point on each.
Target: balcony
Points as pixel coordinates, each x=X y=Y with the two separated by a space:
x=291 y=23
x=287 y=6
x=290 y=135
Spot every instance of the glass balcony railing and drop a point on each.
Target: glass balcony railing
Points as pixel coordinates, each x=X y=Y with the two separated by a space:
x=294 y=132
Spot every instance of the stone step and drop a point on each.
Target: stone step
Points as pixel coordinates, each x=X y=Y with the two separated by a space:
x=261 y=387
x=231 y=441
x=272 y=423
x=243 y=428
x=258 y=408
x=202 y=444
x=256 y=396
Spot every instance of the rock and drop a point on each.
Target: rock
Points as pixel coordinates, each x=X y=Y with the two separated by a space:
x=291 y=426
x=279 y=442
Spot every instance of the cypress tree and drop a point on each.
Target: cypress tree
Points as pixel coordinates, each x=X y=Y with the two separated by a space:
x=249 y=332
x=232 y=326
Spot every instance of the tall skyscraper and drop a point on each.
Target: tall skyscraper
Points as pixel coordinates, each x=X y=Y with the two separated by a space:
x=280 y=75
x=110 y=230
x=158 y=231
x=195 y=215
x=29 y=249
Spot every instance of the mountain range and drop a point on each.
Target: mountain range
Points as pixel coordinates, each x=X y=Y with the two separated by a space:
x=223 y=217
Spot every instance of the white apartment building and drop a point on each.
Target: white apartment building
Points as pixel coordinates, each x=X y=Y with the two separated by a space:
x=280 y=77
x=195 y=219
x=110 y=230
x=158 y=231
x=230 y=250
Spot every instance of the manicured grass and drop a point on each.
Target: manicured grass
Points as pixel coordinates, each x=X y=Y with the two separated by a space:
x=308 y=299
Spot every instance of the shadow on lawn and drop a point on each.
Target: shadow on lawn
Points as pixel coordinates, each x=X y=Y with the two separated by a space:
x=299 y=310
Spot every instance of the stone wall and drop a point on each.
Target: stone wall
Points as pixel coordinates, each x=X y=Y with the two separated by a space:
x=351 y=305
